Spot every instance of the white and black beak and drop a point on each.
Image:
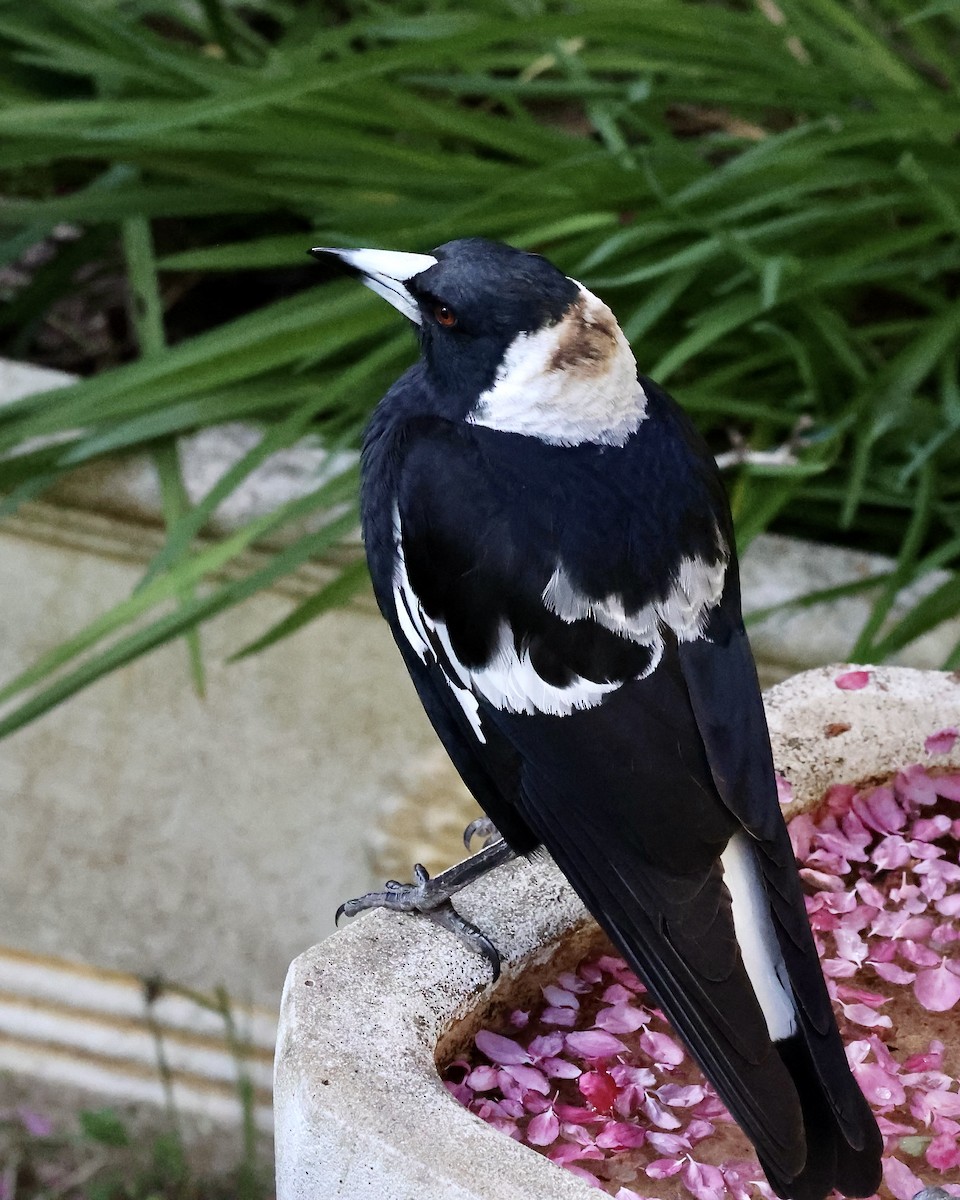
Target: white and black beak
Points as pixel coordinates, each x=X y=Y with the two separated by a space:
x=385 y=272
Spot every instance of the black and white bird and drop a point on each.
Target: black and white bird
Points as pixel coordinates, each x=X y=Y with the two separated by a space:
x=551 y=544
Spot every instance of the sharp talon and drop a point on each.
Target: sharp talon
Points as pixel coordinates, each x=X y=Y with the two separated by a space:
x=421 y=874
x=481 y=827
x=340 y=911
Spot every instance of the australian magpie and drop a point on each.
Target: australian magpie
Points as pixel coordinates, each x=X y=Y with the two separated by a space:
x=550 y=542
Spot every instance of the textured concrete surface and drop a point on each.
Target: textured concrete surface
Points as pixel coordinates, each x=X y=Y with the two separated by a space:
x=359 y=1108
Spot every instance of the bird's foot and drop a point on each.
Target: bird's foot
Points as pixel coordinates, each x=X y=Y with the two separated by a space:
x=432 y=898
x=482 y=827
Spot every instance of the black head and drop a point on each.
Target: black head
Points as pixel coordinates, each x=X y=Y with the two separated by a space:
x=471 y=298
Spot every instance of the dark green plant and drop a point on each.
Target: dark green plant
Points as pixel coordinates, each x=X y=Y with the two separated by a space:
x=766 y=195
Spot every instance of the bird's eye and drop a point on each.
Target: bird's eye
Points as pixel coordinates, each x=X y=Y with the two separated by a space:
x=444 y=315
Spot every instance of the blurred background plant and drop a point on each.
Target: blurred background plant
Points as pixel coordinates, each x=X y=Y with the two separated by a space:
x=766 y=194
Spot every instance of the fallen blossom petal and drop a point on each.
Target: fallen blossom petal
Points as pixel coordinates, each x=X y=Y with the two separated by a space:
x=936 y=1102
x=559 y=1016
x=948 y=786
x=900 y=1179
x=594 y=1043
x=543 y=1130
x=874 y=999
x=529 y=1078
x=622 y=1018
x=616 y=993
x=930 y=1060
x=928 y=829
x=681 y=1096
x=918 y=954
x=620 y=1135
x=852 y=681
x=664 y=1168
x=702 y=1180
x=942 y=741
x=659 y=1115
x=949 y=906
x=938 y=989
x=891 y=854
x=914 y=786
x=599 y=1088
x=891 y=972
x=698 y=1129
x=546 y=1045
x=587 y=1176
x=878 y=810
x=482 y=1079
x=572 y=982
x=559 y=997
x=670 y=1144
x=33 y=1123
x=881 y=1087
x=943 y=1153
x=559 y=1068
x=662 y=1049
x=500 y=1049
x=869 y=1018
x=784 y=788
x=519 y=1019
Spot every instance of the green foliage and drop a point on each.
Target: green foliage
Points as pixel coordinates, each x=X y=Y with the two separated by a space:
x=767 y=197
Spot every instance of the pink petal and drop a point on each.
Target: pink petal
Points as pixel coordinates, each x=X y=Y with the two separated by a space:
x=559 y=1016
x=658 y=1114
x=892 y=973
x=599 y=1088
x=703 y=1181
x=662 y=1049
x=943 y=1153
x=668 y=1143
x=948 y=786
x=879 y=810
x=880 y=1087
x=543 y=1130
x=559 y=997
x=942 y=741
x=622 y=1018
x=529 y=1078
x=679 y=1096
x=664 y=1168
x=852 y=681
x=620 y=1135
x=482 y=1079
x=559 y=1068
x=862 y=1014
x=594 y=1043
x=500 y=1049
x=616 y=993
x=900 y=1179
x=784 y=788
x=918 y=954
x=938 y=989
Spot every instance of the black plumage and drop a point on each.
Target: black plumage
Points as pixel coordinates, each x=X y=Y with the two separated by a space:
x=550 y=542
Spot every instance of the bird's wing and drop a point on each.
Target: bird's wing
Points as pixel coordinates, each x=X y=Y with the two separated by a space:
x=621 y=765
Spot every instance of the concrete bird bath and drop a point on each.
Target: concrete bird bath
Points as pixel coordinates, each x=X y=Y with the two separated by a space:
x=360 y=1107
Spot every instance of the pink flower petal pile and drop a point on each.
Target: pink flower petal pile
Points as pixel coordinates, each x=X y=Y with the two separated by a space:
x=594 y=1078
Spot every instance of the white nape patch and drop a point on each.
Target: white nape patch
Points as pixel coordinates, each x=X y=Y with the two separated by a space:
x=569 y=383
x=759 y=948
x=696 y=589
x=385 y=272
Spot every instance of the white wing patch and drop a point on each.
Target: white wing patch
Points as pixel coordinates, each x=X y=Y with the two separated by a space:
x=757 y=939
x=568 y=383
x=510 y=681
x=696 y=588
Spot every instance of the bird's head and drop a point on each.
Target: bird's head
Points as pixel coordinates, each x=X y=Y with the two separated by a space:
x=509 y=341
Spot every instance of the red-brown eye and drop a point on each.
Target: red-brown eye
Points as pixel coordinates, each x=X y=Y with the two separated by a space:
x=444 y=316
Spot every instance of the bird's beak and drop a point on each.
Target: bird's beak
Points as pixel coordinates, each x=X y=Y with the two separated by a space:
x=385 y=272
